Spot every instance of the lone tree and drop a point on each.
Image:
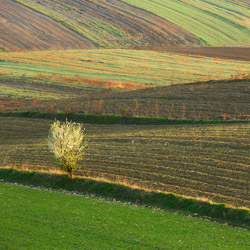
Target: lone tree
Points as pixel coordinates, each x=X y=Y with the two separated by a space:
x=66 y=141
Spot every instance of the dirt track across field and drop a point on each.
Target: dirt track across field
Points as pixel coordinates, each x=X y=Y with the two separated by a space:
x=22 y=28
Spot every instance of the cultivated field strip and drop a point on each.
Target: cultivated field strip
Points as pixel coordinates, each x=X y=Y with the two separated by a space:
x=205 y=161
x=211 y=100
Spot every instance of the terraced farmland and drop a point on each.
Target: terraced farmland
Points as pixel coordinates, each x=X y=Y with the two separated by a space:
x=205 y=161
x=124 y=67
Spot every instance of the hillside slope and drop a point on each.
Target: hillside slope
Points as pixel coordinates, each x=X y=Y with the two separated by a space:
x=22 y=28
x=54 y=24
x=112 y=24
x=215 y=22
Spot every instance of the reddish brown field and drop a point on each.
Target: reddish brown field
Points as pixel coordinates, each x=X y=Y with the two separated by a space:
x=231 y=53
x=22 y=28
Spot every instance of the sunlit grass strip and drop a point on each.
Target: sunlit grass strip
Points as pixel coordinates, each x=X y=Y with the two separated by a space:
x=144 y=67
x=222 y=212
x=204 y=19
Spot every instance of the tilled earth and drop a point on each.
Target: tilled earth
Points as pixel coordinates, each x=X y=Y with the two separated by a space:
x=211 y=100
x=203 y=161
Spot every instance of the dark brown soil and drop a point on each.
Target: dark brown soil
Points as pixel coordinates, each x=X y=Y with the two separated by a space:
x=232 y=53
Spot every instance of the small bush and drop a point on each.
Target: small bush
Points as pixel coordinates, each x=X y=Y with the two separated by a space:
x=66 y=141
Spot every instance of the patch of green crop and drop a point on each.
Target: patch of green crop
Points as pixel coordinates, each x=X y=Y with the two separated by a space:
x=19 y=92
x=216 y=22
x=42 y=219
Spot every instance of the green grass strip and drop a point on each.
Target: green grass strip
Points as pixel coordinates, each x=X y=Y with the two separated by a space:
x=219 y=212
x=114 y=119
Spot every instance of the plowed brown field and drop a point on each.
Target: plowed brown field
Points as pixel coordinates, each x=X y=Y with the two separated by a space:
x=206 y=161
x=232 y=53
x=22 y=28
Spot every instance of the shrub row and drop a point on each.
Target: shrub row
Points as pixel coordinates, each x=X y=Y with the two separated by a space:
x=114 y=119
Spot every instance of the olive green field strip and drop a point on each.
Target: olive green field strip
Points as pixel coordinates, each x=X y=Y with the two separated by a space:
x=23 y=90
x=116 y=68
x=216 y=22
x=203 y=161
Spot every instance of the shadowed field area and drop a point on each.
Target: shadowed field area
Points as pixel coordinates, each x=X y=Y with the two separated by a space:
x=205 y=161
x=213 y=100
x=231 y=53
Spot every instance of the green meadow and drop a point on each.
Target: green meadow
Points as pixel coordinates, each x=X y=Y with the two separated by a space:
x=44 y=219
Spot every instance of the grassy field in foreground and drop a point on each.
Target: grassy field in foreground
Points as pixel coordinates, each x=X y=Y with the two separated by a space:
x=41 y=219
x=124 y=67
x=203 y=161
x=215 y=22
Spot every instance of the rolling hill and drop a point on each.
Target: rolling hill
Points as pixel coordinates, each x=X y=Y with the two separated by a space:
x=122 y=24
x=22 y=28
x=106 y=24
